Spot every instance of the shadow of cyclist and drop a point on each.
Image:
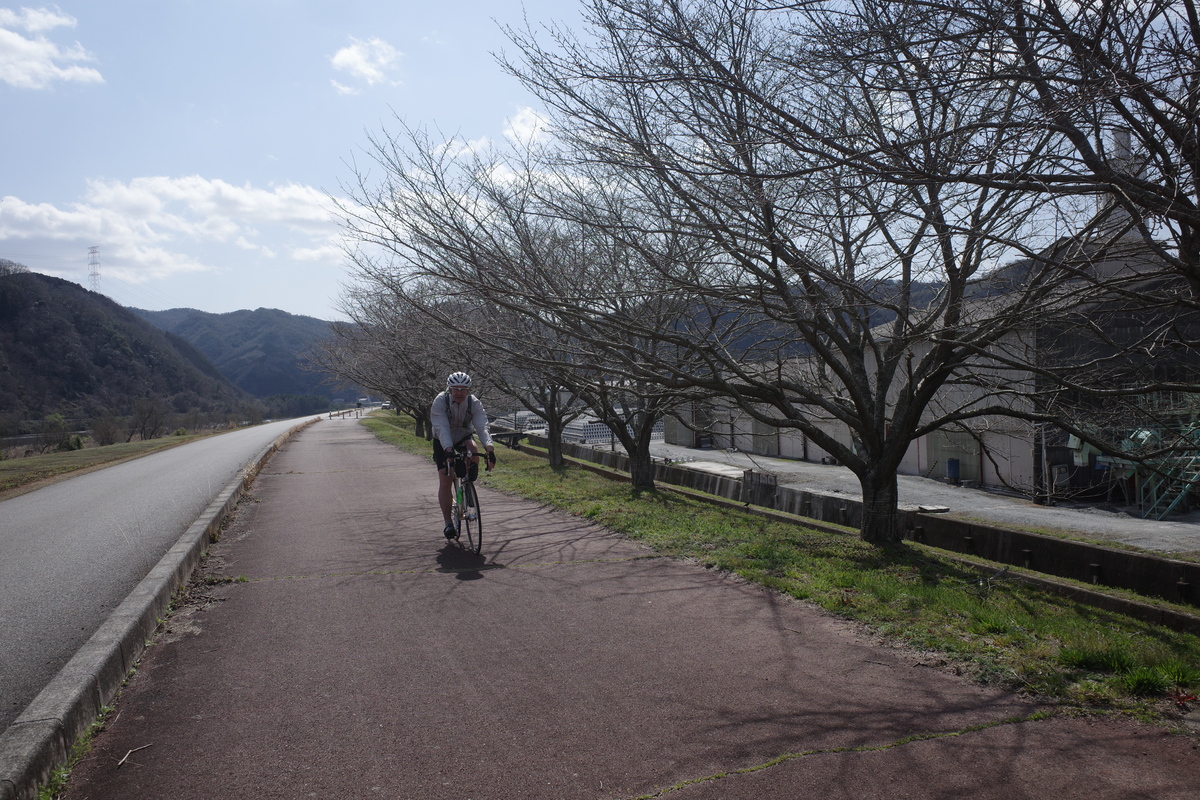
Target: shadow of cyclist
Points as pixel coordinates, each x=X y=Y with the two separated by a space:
x=465 y=565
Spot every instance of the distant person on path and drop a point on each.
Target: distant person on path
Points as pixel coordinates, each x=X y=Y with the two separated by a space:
x=457 y=416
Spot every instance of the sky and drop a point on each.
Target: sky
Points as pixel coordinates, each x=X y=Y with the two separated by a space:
x=199 y=144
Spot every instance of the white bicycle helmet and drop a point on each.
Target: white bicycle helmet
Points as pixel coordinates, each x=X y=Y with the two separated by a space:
x=458 y=379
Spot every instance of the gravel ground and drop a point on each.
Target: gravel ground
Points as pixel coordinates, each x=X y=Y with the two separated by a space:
x=1108 y=522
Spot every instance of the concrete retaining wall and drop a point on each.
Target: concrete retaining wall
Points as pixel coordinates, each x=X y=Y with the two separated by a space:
x=1153 y=576
x=834 y=508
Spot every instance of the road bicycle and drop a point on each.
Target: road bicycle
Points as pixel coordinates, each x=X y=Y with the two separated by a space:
x=464 y=506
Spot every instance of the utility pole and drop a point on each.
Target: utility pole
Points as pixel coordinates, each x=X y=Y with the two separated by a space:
x=94 y=268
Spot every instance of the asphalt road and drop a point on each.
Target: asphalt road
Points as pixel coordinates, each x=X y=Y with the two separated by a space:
x=70 y=552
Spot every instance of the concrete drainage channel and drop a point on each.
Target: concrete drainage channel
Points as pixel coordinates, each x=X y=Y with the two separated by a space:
x=41 y=738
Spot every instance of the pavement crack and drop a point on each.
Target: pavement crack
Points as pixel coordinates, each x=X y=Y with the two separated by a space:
x=1037 y=716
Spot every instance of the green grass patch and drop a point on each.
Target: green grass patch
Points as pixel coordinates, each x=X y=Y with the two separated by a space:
x=59 y=777
x=1000 y=631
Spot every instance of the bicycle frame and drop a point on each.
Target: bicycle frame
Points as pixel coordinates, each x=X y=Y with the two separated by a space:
x=464 y=508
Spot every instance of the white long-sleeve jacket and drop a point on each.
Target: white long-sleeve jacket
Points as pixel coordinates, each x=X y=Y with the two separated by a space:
x=453 y=422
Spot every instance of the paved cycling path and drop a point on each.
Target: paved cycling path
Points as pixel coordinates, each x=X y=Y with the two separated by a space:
x=364 y=659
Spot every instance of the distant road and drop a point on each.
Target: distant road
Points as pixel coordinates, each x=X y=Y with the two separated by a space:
x=70 y=552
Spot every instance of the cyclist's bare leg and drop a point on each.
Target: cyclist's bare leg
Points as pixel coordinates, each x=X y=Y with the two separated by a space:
x=445 y=492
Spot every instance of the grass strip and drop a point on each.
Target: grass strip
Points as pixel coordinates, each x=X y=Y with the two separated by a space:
x=81 y=747
x=996 y=631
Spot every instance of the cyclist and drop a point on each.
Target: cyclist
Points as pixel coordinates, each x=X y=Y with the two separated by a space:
x=456 y=416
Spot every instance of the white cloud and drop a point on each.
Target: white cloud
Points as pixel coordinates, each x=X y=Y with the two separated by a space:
x=526 y=127
x=213 y=200
x=37 y=62
x=458 y=147
x=374 y=61
x=153 y=227
x=255 y=247
x=140 y=263
x=343 y=89
x=19 y=220
x=35 y=20
x=327 y=253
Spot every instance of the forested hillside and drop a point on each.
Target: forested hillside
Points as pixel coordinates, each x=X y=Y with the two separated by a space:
x=260 y=351
x=66 y=350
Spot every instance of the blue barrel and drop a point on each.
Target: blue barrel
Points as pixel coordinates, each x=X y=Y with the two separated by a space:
x=952 y=470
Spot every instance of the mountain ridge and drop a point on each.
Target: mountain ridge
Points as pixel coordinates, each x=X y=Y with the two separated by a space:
x=65 y=349
x=260 y=351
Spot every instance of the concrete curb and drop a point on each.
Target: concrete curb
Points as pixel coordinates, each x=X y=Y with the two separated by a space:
x=40 y=739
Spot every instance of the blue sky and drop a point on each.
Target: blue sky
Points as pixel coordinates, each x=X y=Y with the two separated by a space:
x=197 y=142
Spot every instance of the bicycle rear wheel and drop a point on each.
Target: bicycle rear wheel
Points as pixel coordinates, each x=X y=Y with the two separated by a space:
x=472 y=523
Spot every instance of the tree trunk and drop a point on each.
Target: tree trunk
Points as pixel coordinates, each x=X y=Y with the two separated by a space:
x=554 y=428
x=880 y=512
x=423 y=427
x=641 y=466
x=641 y=472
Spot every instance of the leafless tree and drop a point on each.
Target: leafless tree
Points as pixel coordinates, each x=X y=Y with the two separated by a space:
x=575 y=304
x=492 y=343
x=832 y=154
x=106 y=429
x=148 y=419
x=1118 y=87
x=523 y=362
x=53 y=433
x=1118 y=84
x=844 y=217
x=386 y=348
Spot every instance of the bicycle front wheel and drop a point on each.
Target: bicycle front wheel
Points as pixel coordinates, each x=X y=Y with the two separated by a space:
x=472 y=523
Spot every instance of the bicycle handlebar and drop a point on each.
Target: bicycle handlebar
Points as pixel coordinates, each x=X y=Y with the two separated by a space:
x=461 y=454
